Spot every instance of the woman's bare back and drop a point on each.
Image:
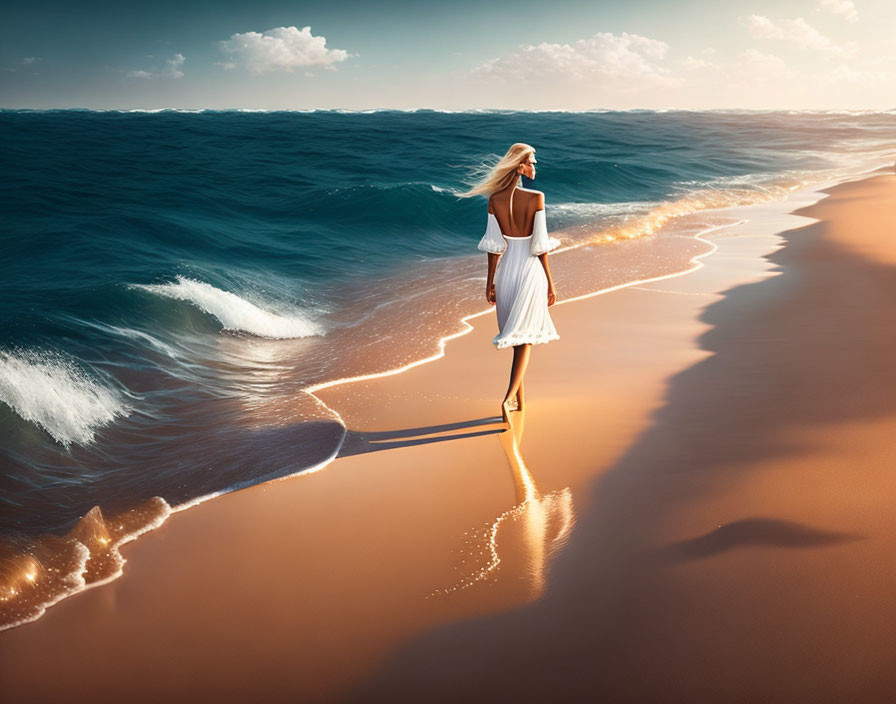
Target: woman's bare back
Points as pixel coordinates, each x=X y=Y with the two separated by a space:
x=514 y=209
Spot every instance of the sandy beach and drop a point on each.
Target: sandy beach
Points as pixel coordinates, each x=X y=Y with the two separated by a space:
x=696 y=506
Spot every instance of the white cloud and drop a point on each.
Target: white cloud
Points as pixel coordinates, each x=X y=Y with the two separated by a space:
x=752 y=66
x=603 y=56
x=870 y=72
x=172 y=69
x=846 y=8
x=27 y=61
x=857 y=76
x=692 y=63
x=281 y=48
x=796 y=31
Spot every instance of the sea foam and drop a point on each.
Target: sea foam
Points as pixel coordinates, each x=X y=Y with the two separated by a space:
x=39 y=571
x=52 y=391
x=233 y=312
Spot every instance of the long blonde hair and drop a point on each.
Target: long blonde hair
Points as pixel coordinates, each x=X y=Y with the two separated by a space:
x=502 y=174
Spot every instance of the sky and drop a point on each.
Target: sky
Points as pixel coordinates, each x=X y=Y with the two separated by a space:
x=521 y=55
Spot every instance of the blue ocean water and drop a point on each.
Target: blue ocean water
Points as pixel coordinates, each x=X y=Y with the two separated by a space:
x=173 y=280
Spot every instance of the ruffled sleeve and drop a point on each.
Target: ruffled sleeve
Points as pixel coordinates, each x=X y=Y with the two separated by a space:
x=492 y=241
x=541 y=241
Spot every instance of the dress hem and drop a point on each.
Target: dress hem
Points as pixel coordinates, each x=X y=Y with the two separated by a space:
x=523 y=340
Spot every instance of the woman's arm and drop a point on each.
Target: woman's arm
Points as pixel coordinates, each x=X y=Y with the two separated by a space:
x=543 y=258
x=490 y=279
x=492 y=265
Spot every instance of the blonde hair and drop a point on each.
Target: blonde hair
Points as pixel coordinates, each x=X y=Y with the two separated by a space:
x=502 y=174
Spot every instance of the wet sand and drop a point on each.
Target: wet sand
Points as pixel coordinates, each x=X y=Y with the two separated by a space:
x=742 y=548
x=699 y=508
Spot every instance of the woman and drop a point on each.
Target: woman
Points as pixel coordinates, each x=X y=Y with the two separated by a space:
x=519 y=280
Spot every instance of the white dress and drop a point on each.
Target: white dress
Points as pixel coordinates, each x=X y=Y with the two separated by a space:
x=521 y=286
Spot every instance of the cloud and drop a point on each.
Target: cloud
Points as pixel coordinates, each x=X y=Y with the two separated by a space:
x=27 y=61
x=692 y=63
x=846 y=8
x=796 y=31
x=604 y=56
x=870 y=72
x=281 y=48
x=171 y=69
x=752 y=66
x=858 y=76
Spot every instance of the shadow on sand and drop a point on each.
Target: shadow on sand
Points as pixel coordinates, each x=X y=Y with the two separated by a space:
x=358 y=442
x=804 y=350
x=767 y=532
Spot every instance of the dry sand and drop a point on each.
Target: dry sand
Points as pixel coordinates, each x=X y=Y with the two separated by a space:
x=700 y=508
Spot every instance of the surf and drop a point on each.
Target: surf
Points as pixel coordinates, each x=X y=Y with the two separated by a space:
x=51 y=391
x=235 y=313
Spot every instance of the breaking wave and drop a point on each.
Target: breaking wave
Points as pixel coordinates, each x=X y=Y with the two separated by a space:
x=235 y=313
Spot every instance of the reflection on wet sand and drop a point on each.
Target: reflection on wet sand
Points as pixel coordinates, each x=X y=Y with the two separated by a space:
x=542 y=521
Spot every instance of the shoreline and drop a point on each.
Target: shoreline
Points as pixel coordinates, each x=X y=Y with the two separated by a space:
x=682 y=213
x=650 y=230
x=740 y=549
x=160 y=515
x=158 y=571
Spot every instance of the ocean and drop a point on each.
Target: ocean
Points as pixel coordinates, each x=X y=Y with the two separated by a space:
x=176 y=281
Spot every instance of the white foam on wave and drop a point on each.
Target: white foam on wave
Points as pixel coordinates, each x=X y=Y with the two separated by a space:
x=50 y=568
x=603 y=209
x=452 y=191
x=233 y=312
x=132 y=334
x=54 y=393
x=137 y=335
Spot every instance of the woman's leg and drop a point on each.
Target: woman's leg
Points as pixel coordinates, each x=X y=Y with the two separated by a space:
x=517 y=371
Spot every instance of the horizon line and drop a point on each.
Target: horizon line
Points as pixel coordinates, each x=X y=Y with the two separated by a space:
x=449 y=111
